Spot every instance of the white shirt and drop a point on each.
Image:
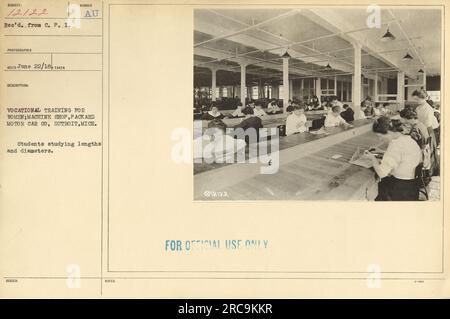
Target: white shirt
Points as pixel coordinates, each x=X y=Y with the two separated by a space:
x=332 y=120
x=219 y=150
x=401 y=158
x=237 y=112
x=425 y=114
x=295 y=124
x=258 y=112
x=338 y=103
x=273 y=107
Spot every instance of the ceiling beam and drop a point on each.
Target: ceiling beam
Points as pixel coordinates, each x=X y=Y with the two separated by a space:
x=246 y=29
x=328 y=18
x=406 y=36
x=214 y=29
x=289 y=42
x=219 y=55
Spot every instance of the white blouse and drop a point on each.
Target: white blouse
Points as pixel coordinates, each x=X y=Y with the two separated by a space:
x=237 y=112
x=258 y=112
x=273 y=108
x=332 y=120
x=295 y=124
x=401 y=158
x=425 y=114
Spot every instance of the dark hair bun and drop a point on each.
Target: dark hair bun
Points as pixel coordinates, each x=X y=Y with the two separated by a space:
x=421 y=94
x=248 y=110
x=408 y=113
x=383 y=124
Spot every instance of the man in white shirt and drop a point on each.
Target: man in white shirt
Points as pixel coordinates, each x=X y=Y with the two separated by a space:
x=296 y=122
x=334 y=118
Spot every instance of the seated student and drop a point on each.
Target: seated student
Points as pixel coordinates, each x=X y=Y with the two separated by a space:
x=204 y=108
x=273 y=108
x=334 y=118
x=296 y=122
x=377 y=109
x=348 y=114
x=392 y=108
x=214 y=114
x=250 y=120
x=215 y=145
x=386 y=108
x=369 y=111
x=238 y=111
x=327 y=107
x=258 y=111
x=367 y=101
x=315 y=102
x=367 y=108
x=418 y=130
x=397 y=169
x=290 y=107
x=418 y=133
x=334 y=101
x=309 y=106
x=380 y=110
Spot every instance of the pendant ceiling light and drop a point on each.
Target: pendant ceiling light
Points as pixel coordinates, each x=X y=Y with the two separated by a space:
x=286 y=55
x=407 y=57
x=388 y=36
x=420 y=71
x=328 y=66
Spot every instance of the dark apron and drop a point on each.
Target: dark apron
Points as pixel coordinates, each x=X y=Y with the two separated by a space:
x=394 y=189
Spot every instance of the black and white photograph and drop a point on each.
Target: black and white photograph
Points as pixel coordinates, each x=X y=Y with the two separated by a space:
x=317 y=103
x=311 y=164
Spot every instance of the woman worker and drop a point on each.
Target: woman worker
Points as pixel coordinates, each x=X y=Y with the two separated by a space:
x=397 y=169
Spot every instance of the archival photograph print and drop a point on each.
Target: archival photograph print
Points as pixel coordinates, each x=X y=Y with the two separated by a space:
x=317 y=103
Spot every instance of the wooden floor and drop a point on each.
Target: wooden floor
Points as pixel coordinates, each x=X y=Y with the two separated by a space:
x=313 y=177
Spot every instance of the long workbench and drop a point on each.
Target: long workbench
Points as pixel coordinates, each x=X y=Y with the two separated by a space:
x=270 y=120
x=306 y=170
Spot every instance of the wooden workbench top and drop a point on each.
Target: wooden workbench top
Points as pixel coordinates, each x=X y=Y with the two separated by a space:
x=306 y=171
x=287 y=142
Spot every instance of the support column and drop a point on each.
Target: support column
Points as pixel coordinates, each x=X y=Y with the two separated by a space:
x=213 y=84
x=401 y=89
x=318 y=88
x=291 y=89
x=375 y=88
x=285 y=83
x=275 y=92
x=335 y=86
x=243 y=84
x=356 y=98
